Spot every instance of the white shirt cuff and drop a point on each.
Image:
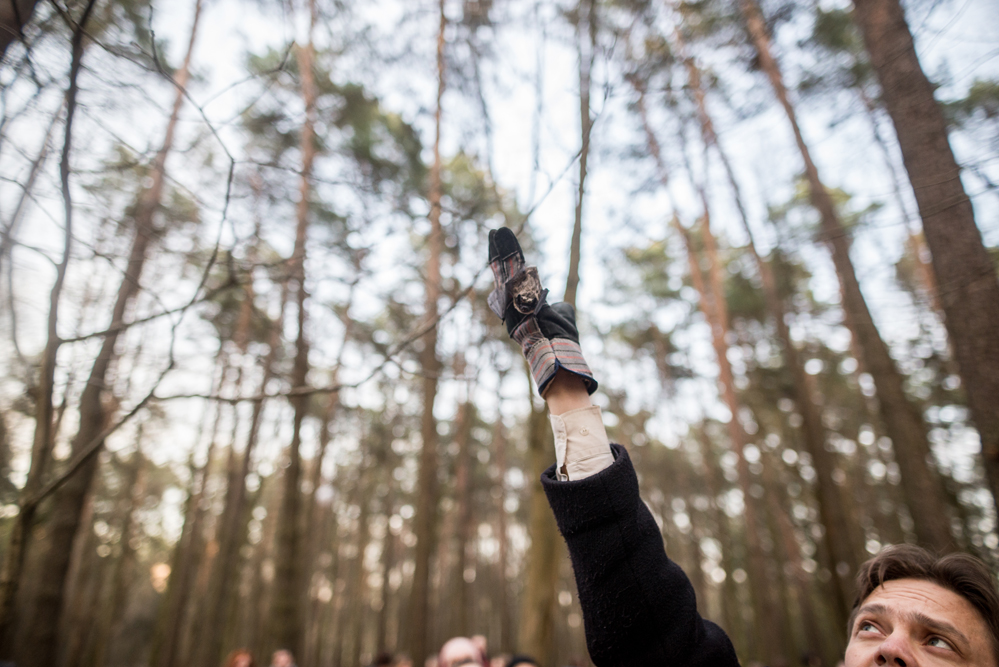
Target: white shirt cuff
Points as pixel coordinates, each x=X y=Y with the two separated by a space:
x=582 y=448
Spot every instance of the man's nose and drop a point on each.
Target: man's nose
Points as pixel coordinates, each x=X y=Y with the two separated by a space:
x=895 y=651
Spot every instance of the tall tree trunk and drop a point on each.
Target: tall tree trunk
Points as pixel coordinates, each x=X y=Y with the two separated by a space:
x=166 y=637
x=313 y=511
x=388 y=562
x=775 y=483
x=124 y=568
x=13 y=562
x=716 y=312
x=51 y=580
x=211 y=630
x=711 y=474
x=464 y=537
x=503 y=594
x=587 y=44
x=425 y=520
x=231 y=533
x=966 y=275
x=262 y=589
x=39 y=644
x=904 y=424
x=315 y=528
x=14 y=16
x=842 y=538
x=539 y=603
x=322 y=605
x=83 y=597
x=166 y=642
x=357 y=580
x=286 y=608
x=713 y=306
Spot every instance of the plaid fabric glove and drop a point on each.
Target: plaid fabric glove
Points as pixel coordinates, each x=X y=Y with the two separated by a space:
x=547 y=333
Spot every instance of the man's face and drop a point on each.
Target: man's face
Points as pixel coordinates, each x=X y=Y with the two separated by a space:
x=915 y=623
x=282 y=659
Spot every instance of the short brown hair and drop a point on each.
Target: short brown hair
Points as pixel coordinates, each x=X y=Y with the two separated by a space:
x=236 y=655
x=961 y=573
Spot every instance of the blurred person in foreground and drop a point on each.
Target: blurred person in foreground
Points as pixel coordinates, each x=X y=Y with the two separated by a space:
x=912 y=609
x=241 y=657
x=282 y=658
x=462 y=651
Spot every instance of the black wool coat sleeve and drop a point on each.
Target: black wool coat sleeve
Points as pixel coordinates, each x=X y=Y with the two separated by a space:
x=638 y=605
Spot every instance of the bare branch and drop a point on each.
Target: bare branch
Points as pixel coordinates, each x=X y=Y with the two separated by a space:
x=207 y=296
x=94 y=445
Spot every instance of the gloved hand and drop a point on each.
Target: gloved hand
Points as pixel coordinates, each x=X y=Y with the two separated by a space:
x=547 y=333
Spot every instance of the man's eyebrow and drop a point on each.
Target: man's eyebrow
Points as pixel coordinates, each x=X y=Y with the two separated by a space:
x=937 y=625
x=873 y=608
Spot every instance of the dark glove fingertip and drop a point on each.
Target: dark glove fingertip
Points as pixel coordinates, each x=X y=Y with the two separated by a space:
x=506 y=242
x=566 y=310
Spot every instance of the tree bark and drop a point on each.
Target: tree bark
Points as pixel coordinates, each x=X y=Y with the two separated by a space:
x=286 y=609
x=425 y=520
x=965 y=274
x=14 y=16
x=904 y=424
x=82 y=598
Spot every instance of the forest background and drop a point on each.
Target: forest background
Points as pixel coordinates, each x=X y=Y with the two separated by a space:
x=252 y=396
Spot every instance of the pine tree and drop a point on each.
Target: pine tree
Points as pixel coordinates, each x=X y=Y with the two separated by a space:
x=903 y=421
x=427 y=495
x=965 y=273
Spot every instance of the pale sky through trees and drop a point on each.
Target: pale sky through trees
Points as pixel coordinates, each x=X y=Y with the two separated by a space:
x=953 y=38
x=365 y=272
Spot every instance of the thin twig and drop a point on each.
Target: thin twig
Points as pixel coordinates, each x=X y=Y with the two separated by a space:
x=207 y=296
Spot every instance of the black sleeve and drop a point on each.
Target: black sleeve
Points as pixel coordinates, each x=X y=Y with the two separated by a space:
x=638 y=605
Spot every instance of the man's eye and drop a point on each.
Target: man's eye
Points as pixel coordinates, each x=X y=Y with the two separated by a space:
x=866 y=626
x=940 y=642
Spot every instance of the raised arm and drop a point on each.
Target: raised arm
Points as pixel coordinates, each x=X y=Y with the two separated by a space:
x=638 y=605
